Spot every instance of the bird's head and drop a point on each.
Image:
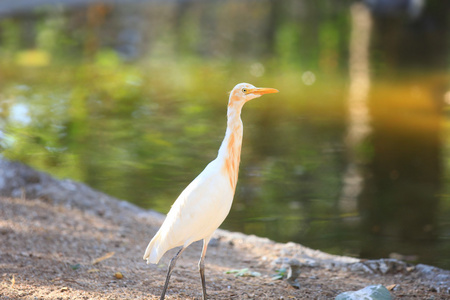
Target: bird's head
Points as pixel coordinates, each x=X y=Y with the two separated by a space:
x=244 y=92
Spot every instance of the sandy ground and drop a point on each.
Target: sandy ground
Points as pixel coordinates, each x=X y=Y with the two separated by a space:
x=48 y=251
x=64 y=240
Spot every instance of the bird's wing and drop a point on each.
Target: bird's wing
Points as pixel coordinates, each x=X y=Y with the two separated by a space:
x=197 y=213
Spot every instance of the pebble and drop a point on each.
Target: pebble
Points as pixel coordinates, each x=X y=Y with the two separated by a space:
x=372 y=292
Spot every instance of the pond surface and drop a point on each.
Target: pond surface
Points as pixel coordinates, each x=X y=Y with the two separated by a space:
x=142 y=130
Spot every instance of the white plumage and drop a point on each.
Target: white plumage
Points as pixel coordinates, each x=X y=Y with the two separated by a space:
x=195 y=215
x=206 y=201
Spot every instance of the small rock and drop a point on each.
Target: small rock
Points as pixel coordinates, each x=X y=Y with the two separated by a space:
x=410 y=268
x=280 y=261
x=309 y=262
x=360 y=267
x=214 y=242
x=403 y=257
x=372 y=292
x=118 y=275
x=379 y=266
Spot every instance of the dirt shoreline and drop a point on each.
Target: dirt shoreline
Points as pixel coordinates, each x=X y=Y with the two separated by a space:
x=53 y=232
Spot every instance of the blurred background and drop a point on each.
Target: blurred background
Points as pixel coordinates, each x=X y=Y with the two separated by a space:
x=352 y=156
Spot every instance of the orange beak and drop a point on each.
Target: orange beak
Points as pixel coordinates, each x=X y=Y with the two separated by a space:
x=261 y=91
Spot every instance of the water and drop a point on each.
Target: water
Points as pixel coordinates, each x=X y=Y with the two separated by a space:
x=141 y=127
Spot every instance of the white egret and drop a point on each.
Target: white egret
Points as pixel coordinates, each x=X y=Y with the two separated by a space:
x=206 y=201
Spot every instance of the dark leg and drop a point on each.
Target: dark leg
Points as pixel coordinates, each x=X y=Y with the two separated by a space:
x=172 y=263
x=201 y=266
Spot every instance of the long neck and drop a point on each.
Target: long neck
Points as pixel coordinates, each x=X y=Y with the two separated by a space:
x=230 y=150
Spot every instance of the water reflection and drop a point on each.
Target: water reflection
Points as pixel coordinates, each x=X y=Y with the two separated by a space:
x=404 y=179
x=132 y=101
x=19 y=114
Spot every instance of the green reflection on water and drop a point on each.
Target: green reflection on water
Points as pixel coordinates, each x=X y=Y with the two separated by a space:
x=141 y=138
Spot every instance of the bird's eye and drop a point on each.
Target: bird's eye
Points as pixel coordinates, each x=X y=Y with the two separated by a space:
x=244 y=90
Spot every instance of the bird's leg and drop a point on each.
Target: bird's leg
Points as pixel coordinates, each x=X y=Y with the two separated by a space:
x=172 y=264
x=201 y=266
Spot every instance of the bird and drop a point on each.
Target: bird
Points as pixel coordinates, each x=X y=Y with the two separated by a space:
x=204 y=204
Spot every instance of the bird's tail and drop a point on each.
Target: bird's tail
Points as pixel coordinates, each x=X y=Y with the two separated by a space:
x=152 y=253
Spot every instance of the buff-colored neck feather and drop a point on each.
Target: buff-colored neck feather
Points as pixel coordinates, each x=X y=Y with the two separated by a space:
x=230 y=150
